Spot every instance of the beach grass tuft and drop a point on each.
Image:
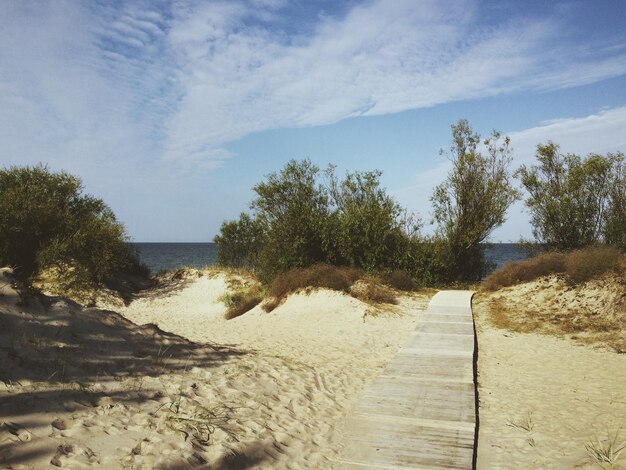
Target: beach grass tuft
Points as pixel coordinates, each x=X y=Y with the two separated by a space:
x=605 y=452
x=241 y=301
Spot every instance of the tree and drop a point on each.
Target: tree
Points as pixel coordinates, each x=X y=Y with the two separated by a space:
x=240 y=242
x=614 y=230
x=292 y=208
x=473 y=200
x=47 y=221
x=570 y=197
x=370 y=224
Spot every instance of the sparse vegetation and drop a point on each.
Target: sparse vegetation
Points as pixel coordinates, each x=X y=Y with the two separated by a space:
x=605 y=452
x=400 y=280
x=585 y=301
x=516 y=272
x=316 y=276
x=373 y=293
x=577 y=266
x=241 y=301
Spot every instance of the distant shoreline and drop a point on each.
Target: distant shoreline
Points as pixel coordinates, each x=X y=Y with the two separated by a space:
x=167 y=256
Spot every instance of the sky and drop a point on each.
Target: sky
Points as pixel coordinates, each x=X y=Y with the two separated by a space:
x=171 y=111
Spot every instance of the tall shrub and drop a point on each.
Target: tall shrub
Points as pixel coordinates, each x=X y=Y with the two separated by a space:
x=47 y=221
x=614 y=230
x=473 y=200
x=293 y=210
x=370 y=224
x=574 y=201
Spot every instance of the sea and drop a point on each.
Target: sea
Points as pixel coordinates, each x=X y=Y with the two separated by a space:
x=169 y=256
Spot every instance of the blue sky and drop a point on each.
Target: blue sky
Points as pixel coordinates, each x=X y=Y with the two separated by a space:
x=172 y=110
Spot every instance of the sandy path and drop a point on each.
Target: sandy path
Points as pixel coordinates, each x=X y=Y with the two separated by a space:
x=569 y=394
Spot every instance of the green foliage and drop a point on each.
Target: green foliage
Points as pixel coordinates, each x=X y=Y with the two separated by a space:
x=298 y=221
x=614 y=229
x=473 y=200
x=240 y=242
x=47 y=222
x=575 y=202
x=369 y=224
x=293 y=210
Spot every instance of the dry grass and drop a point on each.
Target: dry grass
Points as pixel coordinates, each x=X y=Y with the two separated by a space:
x=400 y=280
x=516 y=272
x=318 y=276
x=373 y=293
x=592 y=262
x=241 y=301
x=578 y=266
x=591 y=313
x=605 y=452
x=324 y=276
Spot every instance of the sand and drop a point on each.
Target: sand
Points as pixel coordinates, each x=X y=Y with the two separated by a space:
x=544 y=398
x=265 y=390
x=166 y=382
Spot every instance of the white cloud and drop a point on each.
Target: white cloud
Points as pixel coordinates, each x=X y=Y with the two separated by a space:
x=202 y=74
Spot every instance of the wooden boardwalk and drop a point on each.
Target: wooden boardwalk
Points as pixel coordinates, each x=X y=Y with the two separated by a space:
x=421 y=411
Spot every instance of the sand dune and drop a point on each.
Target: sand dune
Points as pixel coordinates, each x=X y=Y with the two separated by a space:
x=272 y=395
x=543 y=398
x=168 y=383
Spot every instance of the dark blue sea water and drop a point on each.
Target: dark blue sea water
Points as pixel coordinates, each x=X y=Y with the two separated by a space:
x=169 y=256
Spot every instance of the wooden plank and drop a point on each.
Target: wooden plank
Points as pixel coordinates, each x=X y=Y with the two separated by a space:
x=444 y=317
x=454 y=342
x=423 y=365
x=420 y=412
x=428 y=400
x=447 y=327
x=385 y=443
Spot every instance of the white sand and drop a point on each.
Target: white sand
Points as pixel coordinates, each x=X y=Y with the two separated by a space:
x=276 y=400
x=569 y=393
x=310 y=360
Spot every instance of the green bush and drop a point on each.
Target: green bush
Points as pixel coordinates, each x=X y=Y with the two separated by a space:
x=369 y=224
x=47 y=222
x=240 y=242
x=614 y=230
x=575 y=202
x=292 y=208
x=297 y=221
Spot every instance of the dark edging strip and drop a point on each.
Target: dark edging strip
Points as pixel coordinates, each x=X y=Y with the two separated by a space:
x=476 y=400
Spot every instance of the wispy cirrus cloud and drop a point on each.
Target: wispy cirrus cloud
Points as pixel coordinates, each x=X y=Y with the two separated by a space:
x=185 y=78
x=139 y=93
